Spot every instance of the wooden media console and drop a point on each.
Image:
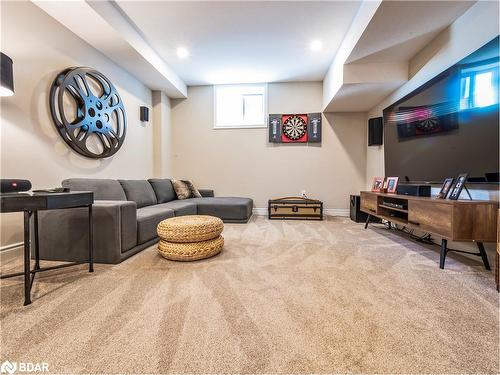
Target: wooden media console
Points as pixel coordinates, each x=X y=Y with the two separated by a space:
x=454 y=220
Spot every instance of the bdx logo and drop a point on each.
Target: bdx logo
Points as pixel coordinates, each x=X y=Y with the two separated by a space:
x=8 y=367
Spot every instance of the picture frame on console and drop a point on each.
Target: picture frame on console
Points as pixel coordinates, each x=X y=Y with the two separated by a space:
x=377 y=184
x=459 y=185
x=391 y=184
x=445 y=188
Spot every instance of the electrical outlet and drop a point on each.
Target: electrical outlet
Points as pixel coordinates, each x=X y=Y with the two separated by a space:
x=303 y=194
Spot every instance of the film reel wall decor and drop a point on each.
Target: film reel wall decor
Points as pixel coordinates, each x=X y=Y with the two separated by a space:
x=88 y=112
x=295 y=128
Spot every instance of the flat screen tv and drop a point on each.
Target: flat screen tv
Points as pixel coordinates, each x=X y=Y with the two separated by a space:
x=449 y=125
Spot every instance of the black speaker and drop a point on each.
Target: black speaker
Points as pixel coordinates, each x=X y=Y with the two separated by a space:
x=356 y=214
x=8 y=185
x=415 y=190
x=492 y=177
x=375 y=131
x=144 y=114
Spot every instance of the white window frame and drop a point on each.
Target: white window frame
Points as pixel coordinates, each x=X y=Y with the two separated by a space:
x=241 y=126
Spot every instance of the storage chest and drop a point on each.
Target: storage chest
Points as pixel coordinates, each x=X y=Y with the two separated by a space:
x=295 y=208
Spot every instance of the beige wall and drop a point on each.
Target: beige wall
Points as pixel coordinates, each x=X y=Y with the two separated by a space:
x=242 y=162
x=30 y=146
x=162 y=135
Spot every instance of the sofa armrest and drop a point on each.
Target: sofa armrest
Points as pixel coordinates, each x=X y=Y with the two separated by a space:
x=127 y=213
x=64 y=233
x=206 y=192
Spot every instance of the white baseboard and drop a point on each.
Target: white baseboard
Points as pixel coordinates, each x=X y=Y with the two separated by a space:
x=344 y=212
x=326 y=211
x=259 y=211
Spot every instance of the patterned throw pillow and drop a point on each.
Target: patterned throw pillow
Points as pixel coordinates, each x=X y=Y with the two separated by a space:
x=185 y=189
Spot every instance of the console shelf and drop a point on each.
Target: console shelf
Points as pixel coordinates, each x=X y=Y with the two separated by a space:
x=393 y=208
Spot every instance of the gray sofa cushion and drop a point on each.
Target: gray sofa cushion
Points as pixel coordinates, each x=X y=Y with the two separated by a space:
x=206 y=192
x=104 y=189
x=148 y=219
x=228 y=209
x=181 y=208
x=139 y=191
x=163 y=189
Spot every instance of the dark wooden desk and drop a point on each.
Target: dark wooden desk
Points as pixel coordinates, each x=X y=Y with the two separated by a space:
x=455 y=220
x=30 y=204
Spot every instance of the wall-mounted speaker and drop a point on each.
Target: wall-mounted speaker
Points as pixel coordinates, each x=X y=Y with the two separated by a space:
x=375 y=131
x=144 y=114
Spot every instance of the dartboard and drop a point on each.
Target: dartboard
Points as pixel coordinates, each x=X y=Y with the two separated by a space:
x=294 y=127
x=428 y=124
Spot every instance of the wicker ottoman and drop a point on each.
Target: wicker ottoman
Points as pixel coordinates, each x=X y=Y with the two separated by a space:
x=187 y=238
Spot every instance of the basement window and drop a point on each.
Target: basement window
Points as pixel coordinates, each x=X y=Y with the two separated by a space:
x=240 y=106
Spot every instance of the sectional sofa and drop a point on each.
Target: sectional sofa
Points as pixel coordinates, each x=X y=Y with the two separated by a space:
x=125 y=216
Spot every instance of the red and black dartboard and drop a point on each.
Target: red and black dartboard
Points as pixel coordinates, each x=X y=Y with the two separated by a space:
x=294 y=128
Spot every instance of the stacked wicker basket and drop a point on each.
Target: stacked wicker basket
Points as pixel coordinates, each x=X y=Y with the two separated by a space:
x=187 y=238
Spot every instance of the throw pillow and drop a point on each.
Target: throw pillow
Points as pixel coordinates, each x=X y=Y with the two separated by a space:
x=185 y=189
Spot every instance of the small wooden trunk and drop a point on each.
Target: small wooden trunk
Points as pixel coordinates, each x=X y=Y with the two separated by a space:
x=295 y=208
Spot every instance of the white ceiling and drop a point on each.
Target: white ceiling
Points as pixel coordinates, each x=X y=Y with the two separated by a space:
x=239 y=42
x=361 y=97
x=116 y=38
x=400 y=29
x=263 y=41
x=395 y=34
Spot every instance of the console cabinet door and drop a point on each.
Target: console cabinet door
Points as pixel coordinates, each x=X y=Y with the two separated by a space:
x=368 y=202
x=474 y=221
x=433 y=217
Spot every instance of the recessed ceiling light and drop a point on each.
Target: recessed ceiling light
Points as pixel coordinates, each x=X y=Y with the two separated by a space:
x=316 y=45
x=182 y=52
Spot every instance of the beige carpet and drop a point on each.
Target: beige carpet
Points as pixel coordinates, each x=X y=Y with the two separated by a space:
x=282 y=297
